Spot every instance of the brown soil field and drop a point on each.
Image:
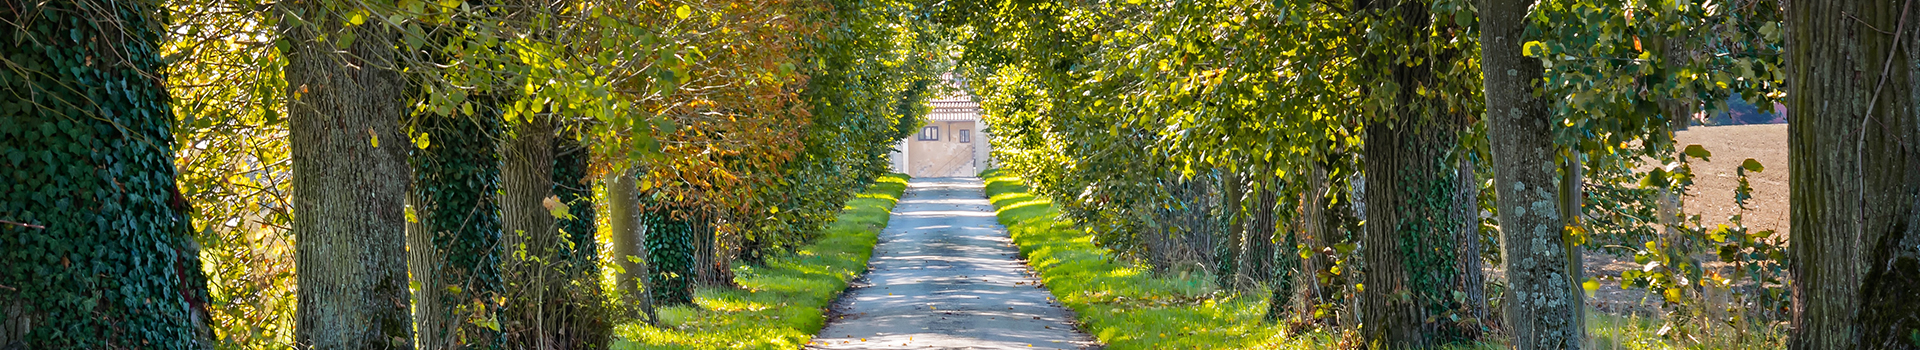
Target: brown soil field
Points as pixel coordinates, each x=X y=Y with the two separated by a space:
x=1711 y=197
x=1712 y=194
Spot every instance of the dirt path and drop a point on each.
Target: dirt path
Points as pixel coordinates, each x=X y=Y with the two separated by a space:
x=944 y=276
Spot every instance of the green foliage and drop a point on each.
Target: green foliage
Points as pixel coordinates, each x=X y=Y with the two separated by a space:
x=97 y=240
x=779 y=304
x=456 y=181
x=1123 y=305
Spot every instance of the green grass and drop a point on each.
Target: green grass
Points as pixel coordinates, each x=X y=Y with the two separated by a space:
x=1128 y=308
x=1123 y=305
x=781 y=305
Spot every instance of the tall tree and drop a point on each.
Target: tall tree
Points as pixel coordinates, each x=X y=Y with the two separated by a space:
x=452 y=249
x=349 y=188
x=1411 y=243
x=578 y=305
x=528 y=240
x=1855 y=227
x=95 y=235
x=1542 y=310
x=628 y=238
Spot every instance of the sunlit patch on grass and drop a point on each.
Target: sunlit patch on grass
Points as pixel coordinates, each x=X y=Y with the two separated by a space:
x=1123 y=305
x=780 y=305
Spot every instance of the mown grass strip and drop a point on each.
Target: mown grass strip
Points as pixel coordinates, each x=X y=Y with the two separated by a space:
x=1123 y=305
x=780 y=305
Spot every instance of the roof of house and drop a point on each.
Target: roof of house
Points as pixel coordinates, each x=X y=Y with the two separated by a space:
x=954 y=110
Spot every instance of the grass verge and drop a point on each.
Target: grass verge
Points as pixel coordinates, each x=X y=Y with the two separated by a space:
x=780 y=305
x=1123 y=305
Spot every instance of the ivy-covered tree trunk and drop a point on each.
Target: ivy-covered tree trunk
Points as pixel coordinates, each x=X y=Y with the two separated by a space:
x=453 y=244
x=96 y=240
x=628 y=238
x=1413 y=290
x=1410 y=245
x=1855 y=238
x=578 y=303
x=670 y=253
x=529 y=240
x=1540 y=309
x=349 y=183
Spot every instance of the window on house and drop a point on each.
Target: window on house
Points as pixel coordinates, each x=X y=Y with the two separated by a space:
x=964 y=138
x=931 y=133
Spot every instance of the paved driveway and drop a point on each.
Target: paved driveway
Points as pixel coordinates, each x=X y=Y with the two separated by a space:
x=944 y=276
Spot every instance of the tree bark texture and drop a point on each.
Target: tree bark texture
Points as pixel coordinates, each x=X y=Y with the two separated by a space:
x=1469 y=275
x=1410 y=244
x=1316 y=285
x=1257 y=248
x=1540 y=312
x=1854 y=186
x=97 y=247
x=579 y=300
x=349 y=183
x=529 y=241
x=454 y=240
x=628 y=239
x=1226 y=271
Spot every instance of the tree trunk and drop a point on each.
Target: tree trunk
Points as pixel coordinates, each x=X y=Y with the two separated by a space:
x=457 y=229
x=1852 y=160
x=669 y=248
x=1410 y=244
x=1227 y=274
x=529 y=237
x=1540 y=312
x=1319 y=228
x=628 y=238
x=1410 y=247
x=99 y=245
x=349 y=187
x=1571 y=202
x=1256 y=254
x=1470 y=277
x=578 y=301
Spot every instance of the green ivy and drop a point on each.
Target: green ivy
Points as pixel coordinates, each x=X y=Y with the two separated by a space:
x=96 y=238
x=457 y=176
x=670 y=254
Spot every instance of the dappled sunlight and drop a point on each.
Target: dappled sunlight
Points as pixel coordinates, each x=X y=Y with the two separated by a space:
x=778 y=306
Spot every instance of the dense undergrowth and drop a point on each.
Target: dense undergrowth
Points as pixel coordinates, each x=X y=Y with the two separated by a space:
x=780 y=305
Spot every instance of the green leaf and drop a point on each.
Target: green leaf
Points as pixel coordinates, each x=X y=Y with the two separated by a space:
x=1698 y=152
x=1530 y=46
x=1752 y=165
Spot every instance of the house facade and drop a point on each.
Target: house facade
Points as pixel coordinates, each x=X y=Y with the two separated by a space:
x=952 y=144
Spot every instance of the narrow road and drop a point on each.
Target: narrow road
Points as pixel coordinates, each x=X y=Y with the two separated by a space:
x=944 y=276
